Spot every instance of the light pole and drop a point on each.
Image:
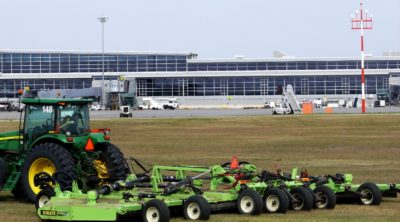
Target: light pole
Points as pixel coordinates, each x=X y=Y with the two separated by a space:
x=362 y=21
x=102 y=20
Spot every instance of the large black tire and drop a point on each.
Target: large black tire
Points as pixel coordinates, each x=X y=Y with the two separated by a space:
x=325 y=198
x=249 y=202
x=372 y=192
x=117 y=166
x=3 y=172
x=43 y=197
x=303 y=197
x=155 y=210
x=276 y=201
x=196 y=207
x=58 y=155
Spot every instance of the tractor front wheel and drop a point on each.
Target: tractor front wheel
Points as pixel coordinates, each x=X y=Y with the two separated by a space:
x=49 y=158
x=43 y=197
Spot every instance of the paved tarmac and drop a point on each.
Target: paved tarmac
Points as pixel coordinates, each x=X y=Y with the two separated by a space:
x=182 y=113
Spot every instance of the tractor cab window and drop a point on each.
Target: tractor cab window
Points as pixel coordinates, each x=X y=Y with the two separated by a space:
x=73 y=119
x=39 y=120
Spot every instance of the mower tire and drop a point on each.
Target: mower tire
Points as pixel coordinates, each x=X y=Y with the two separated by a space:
x=373 y=196
x=117 y=167
x=43 y=197
x=303 y=199
x=250 y=202
x=325 y=198
x=196 y=207
x=49 y=158
x=276 y=201
x=155 y=211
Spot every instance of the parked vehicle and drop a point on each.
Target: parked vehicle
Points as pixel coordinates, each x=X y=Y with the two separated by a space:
x=281 y=108
x=125 y=112
x=269 y=105
x=150 y=103
x=168 y=103
x=95 y=106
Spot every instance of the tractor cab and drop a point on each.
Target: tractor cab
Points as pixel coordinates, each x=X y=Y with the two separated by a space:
x=69 y=117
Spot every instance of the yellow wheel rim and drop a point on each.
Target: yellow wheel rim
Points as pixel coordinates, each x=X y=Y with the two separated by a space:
x=39 y=165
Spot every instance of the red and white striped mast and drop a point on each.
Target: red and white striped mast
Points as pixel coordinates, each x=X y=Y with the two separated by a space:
x=362 y=21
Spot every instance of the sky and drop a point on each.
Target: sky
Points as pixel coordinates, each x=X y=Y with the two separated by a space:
x=211 y=28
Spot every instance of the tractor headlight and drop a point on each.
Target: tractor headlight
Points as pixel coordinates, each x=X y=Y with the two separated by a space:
x=67 y=133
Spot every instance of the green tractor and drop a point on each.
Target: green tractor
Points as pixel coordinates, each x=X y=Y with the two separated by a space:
x=54 y=137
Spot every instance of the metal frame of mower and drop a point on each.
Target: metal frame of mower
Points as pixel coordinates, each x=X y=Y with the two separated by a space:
x=148 y=194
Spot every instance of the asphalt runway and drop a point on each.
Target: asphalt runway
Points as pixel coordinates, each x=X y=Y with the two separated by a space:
x=184 y=113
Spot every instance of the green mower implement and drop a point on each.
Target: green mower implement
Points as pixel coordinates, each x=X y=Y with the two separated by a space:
x=278 y=195
x=54 y=135
x=322 y=197
x=139 y=193
x=342 y=184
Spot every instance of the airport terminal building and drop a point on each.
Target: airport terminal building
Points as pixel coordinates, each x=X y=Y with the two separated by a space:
x=197 y=81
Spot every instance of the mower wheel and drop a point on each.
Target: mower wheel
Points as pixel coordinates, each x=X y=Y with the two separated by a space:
x=117 y=167
x=303 y=199
x=325 y=198
x=49 y=158
x=43 y=197
x=155 y=211
x=196 y=207
x=276 y=201
x=372 y=194
x=250 y=202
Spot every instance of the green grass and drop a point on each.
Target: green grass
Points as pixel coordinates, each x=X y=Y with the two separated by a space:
x=366 y=145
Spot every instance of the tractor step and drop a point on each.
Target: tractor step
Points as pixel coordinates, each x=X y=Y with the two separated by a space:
x=12 y=181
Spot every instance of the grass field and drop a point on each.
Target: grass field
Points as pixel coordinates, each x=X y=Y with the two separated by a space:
x=366 y=145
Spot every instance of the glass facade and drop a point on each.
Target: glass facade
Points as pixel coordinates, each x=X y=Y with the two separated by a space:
x=183 y=65
x=256 y=86
x=81 y=62
x=10 y=87
x=291 y=65
x=70 y=62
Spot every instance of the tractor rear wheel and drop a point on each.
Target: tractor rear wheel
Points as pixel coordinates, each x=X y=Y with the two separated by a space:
x=49 y=158
x=3 y=172
x=371 y=194
x=111 y=164
x=303 y=199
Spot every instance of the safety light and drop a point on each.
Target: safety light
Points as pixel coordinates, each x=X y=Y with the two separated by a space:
x=70 y=139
